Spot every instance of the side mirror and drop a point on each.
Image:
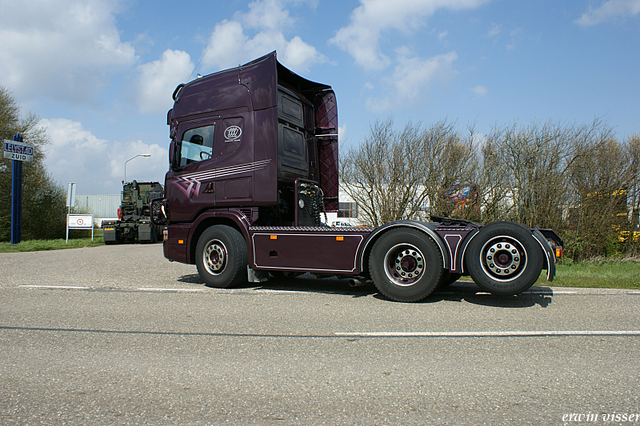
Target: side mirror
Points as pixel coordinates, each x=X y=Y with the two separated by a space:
x=158 y=213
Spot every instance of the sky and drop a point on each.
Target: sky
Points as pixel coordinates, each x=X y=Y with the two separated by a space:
x=100 y=73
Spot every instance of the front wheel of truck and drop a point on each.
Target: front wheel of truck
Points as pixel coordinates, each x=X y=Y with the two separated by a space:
x=221 y=257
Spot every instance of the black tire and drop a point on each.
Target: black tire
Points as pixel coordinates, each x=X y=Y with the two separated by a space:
x=154 y=233
x=447 y=279
x=504 y=258
x=405 y=265
x=221 y=257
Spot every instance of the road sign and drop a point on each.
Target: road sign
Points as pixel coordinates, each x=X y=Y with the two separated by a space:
x=80 y=221
x=18 y=151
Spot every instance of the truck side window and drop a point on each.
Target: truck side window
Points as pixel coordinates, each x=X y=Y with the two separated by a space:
x=196 y=145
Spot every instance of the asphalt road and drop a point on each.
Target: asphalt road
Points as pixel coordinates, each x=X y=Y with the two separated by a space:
x=118 y=335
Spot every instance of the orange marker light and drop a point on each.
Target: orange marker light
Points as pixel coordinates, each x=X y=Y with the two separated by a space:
x=273 y=237
x=339 y=238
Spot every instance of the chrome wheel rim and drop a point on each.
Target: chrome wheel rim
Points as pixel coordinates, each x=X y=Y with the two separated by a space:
x=503 y=258
x=215 y=257
x=404 y=264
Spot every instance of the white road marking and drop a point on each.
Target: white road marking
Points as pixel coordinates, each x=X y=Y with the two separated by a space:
x=65 y=287
x=488 y=333
x=186 y=290
x=277 y=291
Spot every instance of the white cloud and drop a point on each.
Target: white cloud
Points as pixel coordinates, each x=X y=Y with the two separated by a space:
x=494 y=31
x=343 y=136
x=498 y=34
x=608 y=11
x=266 y=15
x=226 y=45
x=411 y=77
x=255 y=33
x=97 y=165
x=158 y=79
x=479 y=90
x=65 y=49
x=369 y=20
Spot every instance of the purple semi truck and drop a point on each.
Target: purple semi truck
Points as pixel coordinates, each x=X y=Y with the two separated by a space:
x=253 y=163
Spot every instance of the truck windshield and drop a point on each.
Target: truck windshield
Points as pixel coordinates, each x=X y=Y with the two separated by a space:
x=197 y=145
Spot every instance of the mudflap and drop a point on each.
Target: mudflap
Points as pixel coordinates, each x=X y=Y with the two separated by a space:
x=256 y=276
x=109 y=234
x=146 y=233
x=550 y=259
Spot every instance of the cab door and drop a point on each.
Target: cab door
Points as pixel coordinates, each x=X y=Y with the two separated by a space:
x=190 y=184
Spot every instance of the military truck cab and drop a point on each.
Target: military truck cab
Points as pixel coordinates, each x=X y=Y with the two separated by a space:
x=134 y=215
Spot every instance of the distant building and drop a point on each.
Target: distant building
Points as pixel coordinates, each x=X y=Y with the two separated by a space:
x=101 y=206
x=347 y=213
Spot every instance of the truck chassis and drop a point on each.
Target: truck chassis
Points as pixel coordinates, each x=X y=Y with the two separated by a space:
x=406 y=260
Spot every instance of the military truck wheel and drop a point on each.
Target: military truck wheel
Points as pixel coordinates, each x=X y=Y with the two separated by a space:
x=405 y=265
x=221 y=257
x=504 y=258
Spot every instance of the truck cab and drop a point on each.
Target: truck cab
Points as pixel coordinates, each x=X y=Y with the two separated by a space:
x=242 y=137
x=254 y=164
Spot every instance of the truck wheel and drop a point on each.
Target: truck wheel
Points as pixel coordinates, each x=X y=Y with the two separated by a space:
x=405 y=265
x=221 y=257
x=504 y=258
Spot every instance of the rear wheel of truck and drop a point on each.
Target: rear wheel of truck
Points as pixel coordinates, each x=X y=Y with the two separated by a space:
x=221 y=257
x=405 y=265
x=504 y=258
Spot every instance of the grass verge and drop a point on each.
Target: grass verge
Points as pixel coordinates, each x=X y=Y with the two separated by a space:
x=599 y=273
x=41 y=245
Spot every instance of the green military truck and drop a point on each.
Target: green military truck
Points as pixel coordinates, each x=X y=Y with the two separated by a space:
x=134 y=222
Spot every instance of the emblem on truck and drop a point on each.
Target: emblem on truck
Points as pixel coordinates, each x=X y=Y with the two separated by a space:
x=232 y=134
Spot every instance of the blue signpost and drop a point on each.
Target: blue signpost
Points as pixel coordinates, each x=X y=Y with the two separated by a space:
x=18 y=152
x=16 y=198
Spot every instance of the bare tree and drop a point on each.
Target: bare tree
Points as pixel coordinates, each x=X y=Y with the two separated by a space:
x=600 y=178
x=633 y=154
x=449 y=162
x=401 y=174
x=525 y=173
x=378 y=175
